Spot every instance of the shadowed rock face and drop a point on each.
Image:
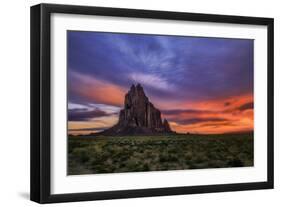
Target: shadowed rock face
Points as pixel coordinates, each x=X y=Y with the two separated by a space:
x=139 y=116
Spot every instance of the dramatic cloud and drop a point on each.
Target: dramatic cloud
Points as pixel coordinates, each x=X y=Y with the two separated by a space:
x=200 y=120
x=87 y=89
x=88 y=129
x=213 y=116
x=184 y=111
x=201 y=85
x=227 y=104
x=246 y=106
x=152 y=80
x=84 y=114
x=191 y=68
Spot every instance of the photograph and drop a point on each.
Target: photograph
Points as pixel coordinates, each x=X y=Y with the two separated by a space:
x=153 y=102
x=132 y=103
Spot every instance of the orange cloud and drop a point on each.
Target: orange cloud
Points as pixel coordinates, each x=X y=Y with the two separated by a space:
x=95 y=125
x=232 y=114
x=98 y=91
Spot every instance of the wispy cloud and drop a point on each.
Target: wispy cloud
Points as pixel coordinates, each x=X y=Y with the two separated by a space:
x=88 y=129
x=201 y=120
x=85 y=115
x=152 y=81
x=94 y=91
x=246 y=106
x=194 y=81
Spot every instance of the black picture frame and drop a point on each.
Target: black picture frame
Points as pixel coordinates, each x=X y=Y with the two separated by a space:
x=41 y=95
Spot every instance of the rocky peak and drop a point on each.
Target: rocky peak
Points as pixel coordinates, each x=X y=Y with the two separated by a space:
x=136 y=92
x=139 y=115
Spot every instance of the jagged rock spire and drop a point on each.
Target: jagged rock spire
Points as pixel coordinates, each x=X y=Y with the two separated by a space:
x=139 y=116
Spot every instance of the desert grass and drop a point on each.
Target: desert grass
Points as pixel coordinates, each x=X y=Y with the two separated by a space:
x=101 y=154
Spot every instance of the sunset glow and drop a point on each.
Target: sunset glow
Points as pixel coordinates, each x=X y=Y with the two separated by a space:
x=200 y=85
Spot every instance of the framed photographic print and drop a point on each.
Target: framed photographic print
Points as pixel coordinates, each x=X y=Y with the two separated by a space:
x=133 y=103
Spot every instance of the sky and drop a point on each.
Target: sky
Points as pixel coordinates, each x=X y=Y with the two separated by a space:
x=201 y=85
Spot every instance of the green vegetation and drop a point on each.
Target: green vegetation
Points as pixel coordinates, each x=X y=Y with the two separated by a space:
x=101 y=154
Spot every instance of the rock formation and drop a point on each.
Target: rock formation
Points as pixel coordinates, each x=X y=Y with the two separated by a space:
x=139 y=116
